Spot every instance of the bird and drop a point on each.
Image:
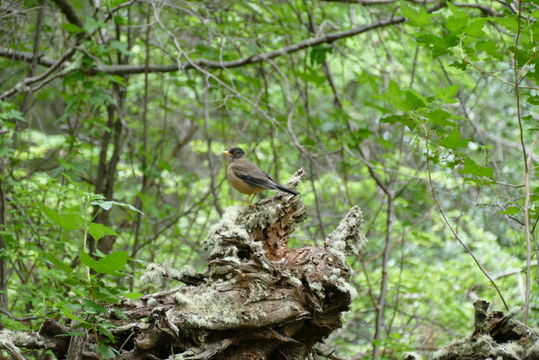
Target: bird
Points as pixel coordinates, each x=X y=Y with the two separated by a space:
x=247 y=178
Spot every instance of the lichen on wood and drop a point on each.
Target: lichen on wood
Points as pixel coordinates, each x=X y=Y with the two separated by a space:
x=257 y=299
x=496 y=336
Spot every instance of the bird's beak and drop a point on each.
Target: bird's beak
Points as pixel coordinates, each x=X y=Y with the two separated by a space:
x=227 y=153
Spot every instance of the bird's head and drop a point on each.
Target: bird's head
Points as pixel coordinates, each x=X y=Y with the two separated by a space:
x=234 y=153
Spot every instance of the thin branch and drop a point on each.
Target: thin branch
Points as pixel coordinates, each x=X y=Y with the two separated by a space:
x=209 y=154
x=512 y=272
x=11 y=349
x=68 y=11
x=485 y=9
x=491 y=74
x=380 y=306
x=527 y=163
x=327 y=354
x=32 y=80
x=11 y=316
x=453 y=231
x=33 y=64
x=253 y=59
x=26 y=56
x=109 y=13
x=363 y=2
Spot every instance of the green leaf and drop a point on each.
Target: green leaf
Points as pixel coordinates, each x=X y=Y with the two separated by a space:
x=413 y=100
x=475 y=27
x=489 y=47
x=400 y=119
x=447 y=95
x=103 y=330
x=77 y=4
x=319 y=53
x=70 y=310
x=404 y=100
x=511 y=210
x=471 y=168
x=534 y=100
x=119 y=20
x=416 y=17
x=91 y=307
x=377 y=107
x=114 y=3
x=99 y=230
x=106 y=352
x=92 y=25
x=87 y=259
x=453 y=140
x=100 y=98
x=329 y=126
x=120 y=314
x=359 y=135
x=459 y=65
x=312 y=76
x=56 y=262
x=439 y=117
x=72 y=28
x=8 y=114
x=133 y=295
x=120 y=46
x=113 y=262
x=69 y=221
x=388 y=145
x=456 y=23
x=437 y=45
x=510 y=22
x=109 y=264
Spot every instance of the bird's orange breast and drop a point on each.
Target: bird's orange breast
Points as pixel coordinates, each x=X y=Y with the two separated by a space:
x=239 y=184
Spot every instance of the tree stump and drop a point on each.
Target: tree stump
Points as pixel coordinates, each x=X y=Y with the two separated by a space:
x=257 y=299
x=496 y=336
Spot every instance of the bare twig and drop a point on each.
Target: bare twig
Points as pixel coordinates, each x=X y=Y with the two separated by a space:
x=17 y=318
x=380 y=306
x=26 y=56
x=484 y=9
x=327 y=354
x=11 y=349
x=32 y=80
x=209 y=155
x=452 y=229
x=253 y=59
x=527 y=163
x=512 y=272
x=109 y=13
x=68 y=11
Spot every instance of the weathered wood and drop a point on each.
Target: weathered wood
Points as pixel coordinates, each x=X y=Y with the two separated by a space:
x=496 y=336
x=257 y=299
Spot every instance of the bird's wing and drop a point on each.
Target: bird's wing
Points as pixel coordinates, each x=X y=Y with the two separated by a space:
x=251 y=174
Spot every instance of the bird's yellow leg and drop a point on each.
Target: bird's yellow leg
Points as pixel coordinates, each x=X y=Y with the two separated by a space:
x=247 y=202
x=253 y=197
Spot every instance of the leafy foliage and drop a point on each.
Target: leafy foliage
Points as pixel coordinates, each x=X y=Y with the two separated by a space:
x=105 y=170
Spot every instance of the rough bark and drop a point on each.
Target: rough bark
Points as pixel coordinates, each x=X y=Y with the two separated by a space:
x=496 y=336
x=257 y=299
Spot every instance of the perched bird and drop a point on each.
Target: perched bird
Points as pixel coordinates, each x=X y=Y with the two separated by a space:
x=247 y=178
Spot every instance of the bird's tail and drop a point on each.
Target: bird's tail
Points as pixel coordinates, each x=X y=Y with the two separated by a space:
x=285 y=189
